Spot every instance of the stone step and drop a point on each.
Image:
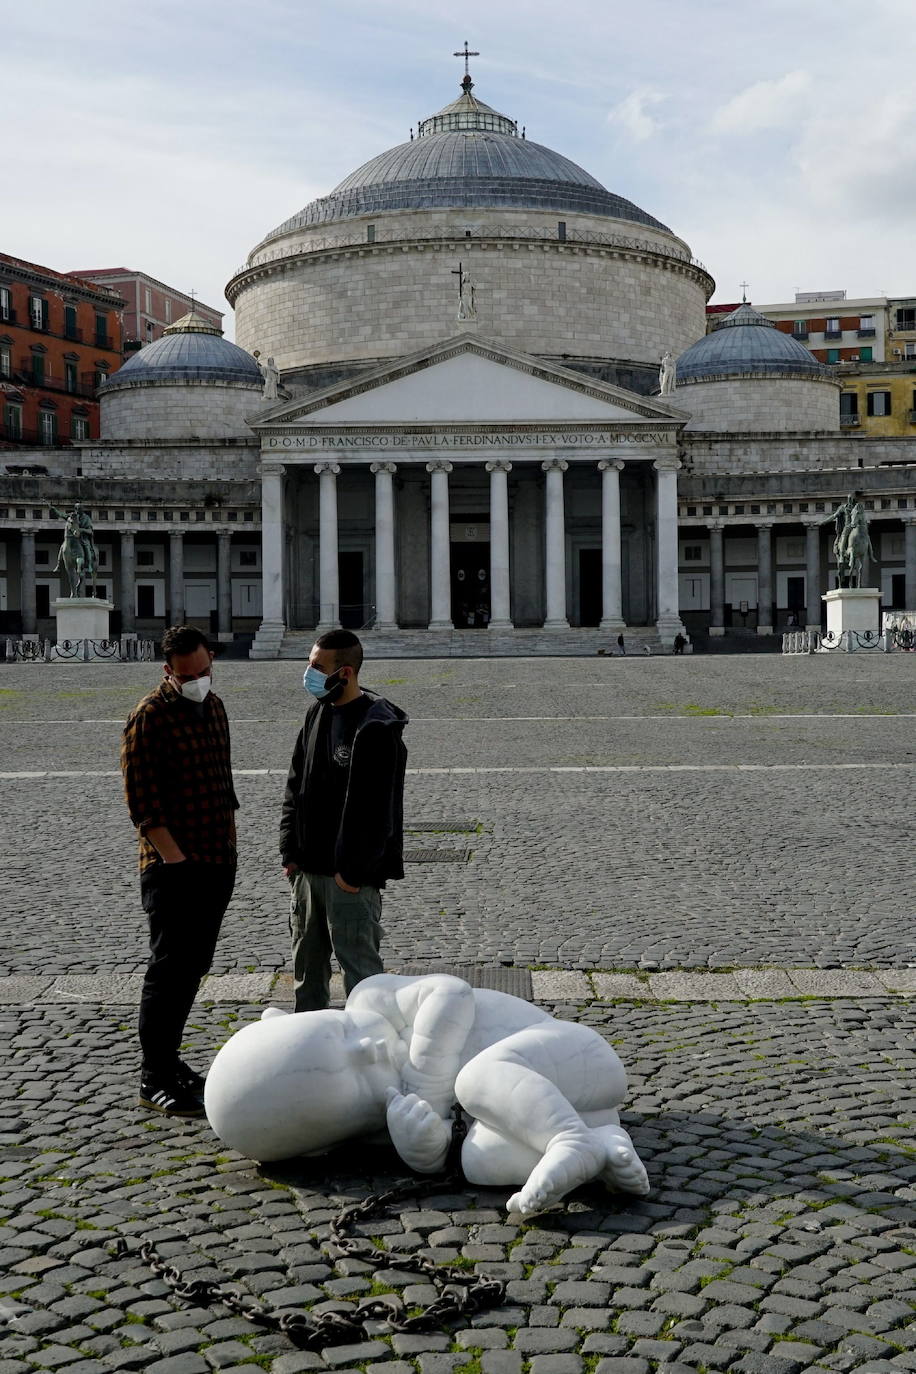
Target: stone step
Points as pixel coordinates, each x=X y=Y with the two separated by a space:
x=522 y=643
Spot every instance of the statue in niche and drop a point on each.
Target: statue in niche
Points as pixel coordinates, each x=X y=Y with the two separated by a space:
x=77 y=552
x=852 y=544
x=542 y=1094
x=667 y=374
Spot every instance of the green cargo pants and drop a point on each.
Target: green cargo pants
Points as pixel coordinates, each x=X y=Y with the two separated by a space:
x=324 y=919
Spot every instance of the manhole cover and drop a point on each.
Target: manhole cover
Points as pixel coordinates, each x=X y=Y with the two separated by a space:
x=516 y=981
x=444 y=827
x=436 y=856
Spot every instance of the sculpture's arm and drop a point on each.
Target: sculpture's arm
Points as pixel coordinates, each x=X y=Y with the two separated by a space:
x=441 y=1022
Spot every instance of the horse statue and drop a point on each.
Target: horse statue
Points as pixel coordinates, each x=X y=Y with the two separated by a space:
x=73 y=556
x=858 y=545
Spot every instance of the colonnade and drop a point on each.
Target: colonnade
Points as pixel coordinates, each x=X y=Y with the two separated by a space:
x=440 y=618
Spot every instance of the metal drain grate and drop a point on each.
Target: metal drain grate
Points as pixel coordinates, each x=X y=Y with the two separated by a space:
x=436 y=856
x=445 y=827
x=516 y=981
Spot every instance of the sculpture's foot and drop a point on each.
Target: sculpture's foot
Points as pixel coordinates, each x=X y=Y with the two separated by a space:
x=624 y=1171
x=567 y=1163
x=420 y=1137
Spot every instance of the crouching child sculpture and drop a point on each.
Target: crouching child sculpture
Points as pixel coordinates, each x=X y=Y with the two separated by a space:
x=542 y=1094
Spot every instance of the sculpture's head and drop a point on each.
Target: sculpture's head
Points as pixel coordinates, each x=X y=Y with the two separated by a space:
x=293 y=1085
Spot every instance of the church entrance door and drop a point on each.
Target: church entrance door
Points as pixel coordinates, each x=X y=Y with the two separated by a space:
x=470 y=584
x=350 y=574
x=589 y=586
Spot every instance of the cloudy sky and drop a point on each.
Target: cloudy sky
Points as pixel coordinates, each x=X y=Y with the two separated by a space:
x=777 y=137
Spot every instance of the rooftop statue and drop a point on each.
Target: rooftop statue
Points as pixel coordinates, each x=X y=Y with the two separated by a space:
x=667 y=374
x=77 y=551
x=542 y=1094
x=852 y=543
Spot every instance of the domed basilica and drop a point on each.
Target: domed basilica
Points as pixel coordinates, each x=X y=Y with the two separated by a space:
x=473 y=391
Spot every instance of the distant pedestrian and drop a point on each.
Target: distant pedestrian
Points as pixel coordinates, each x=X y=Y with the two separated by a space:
x=178 y=785
x=620 y=644
x=680 y=643
x=342 y=825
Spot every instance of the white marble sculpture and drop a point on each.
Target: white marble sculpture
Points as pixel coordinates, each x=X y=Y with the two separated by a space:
x=271 y=374
x=542 y=1094
x=667 y=374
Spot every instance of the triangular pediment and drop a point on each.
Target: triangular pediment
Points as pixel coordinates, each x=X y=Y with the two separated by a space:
x=469 y=379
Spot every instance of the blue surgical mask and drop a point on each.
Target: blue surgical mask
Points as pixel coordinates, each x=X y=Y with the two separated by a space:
x=316 y=682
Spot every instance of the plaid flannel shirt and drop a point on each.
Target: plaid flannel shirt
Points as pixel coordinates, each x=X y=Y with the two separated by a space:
x=177 y=773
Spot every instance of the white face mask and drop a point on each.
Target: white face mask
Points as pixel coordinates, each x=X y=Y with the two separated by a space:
x=198 y=690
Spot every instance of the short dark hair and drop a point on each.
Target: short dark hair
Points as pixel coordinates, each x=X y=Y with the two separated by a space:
x=181 y=640
x=346 y=648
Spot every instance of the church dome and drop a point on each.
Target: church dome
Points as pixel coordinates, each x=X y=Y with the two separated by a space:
x=190 y=350
x=467 y=155
x=747 y=344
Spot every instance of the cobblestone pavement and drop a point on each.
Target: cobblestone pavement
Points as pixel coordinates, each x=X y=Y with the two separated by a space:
x=779 y=1133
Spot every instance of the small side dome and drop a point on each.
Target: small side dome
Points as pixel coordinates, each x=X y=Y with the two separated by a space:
x=747 y=344
x=190 y=350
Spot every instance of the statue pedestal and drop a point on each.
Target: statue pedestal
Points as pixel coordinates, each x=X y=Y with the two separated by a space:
x=853 y=619
x=80 y=619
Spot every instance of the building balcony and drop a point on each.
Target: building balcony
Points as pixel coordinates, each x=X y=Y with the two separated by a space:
x=911 y=417
x=865 y=333
x=31 y=438
x=8 y=316
x=102 y=341
x=833 y=333
x=799 y=333
x=850 y=421
x=25 y=377
x=72 y=335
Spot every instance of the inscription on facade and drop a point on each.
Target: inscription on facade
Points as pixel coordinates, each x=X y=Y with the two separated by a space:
x=498 y=439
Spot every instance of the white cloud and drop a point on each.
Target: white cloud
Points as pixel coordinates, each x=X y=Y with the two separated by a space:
x=634 y=114
x=773 y=104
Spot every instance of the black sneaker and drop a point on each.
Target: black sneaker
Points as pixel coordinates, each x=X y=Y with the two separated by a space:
x=171 y=1099
x=185 y=1077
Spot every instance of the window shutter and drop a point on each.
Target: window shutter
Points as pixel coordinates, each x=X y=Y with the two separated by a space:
x=44 y=313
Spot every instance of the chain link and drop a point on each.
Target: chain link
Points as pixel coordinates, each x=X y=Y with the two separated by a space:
x=460 y=1292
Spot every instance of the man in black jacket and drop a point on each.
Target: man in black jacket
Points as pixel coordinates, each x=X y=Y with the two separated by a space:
x=342 y=826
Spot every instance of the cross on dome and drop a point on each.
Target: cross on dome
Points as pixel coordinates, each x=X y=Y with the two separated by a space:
x=466 y=83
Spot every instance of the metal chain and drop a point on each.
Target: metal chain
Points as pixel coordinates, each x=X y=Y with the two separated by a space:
x=461 y=1293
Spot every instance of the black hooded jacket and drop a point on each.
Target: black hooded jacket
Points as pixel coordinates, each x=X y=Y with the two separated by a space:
x=363 y=840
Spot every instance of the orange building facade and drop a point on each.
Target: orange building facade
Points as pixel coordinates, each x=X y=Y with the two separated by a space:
x=60 y=338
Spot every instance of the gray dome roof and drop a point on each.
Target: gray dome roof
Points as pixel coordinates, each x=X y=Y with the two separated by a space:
x=747 y=344
x=467 y=155
x=190 y=350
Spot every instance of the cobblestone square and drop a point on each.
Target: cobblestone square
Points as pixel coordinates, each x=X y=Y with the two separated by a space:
x=707 y=859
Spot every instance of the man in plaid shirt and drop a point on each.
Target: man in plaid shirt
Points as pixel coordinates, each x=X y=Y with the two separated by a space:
x=178 y=785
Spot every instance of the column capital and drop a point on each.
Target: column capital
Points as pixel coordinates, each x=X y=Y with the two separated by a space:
x=764 y=524
x=176 y=536
x=273 y=470
x=669 y=463
x=322 y=468
x=909 y=519
x=717 y=525
x=811 y=522
x=499 y=465
x=439 y=465
x=607 y=463
x=554 y=465
x=383 y=467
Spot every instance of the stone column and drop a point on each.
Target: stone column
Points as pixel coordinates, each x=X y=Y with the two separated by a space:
x=27 y=583
x=909 y=550
x=500 y=605
x=555 y=562
x=223 y=586
x=273 y=538
x=716 y=579
x=812 y=575
x=765 y=577
x=128 y=594
x=176 y=578
x=668 y=619
x=440 y=573
x=328 y=566
x=385 y=589
x=611 y=579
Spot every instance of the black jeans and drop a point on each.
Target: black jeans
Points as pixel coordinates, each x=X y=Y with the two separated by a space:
x=185 y=904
